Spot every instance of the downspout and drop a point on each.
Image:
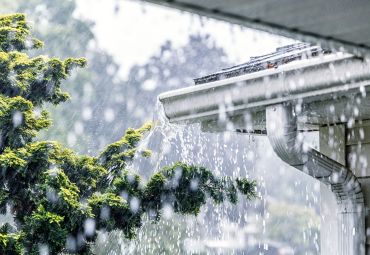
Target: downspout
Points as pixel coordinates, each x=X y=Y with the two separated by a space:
x=281 y=124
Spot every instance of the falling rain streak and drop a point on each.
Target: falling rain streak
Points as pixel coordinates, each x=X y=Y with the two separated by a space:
x=286 y=217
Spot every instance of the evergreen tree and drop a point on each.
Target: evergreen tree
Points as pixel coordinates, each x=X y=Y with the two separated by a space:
x=84 y=128
x=101 y=94
x=60 y=200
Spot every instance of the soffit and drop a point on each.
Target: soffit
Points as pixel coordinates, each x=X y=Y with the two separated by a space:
x=333 y=22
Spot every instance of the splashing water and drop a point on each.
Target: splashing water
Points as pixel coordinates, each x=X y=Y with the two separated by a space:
x=222 y=229
x=158 y=141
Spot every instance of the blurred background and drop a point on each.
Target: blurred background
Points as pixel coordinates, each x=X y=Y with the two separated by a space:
x=137 y=51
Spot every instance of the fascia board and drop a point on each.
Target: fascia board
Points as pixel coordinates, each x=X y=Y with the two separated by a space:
x=248 y=92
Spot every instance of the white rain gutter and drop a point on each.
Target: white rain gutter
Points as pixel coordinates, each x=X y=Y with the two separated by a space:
x=306 y=79
x=319 y=82
x=282 y=133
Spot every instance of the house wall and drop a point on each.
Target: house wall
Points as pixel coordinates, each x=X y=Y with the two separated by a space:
x=358 y=161
x=332 y=144
x=351 y=147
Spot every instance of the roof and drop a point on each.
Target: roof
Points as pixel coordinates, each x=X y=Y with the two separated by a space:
x=331 y=22
x=282 y=55
x=323 y=86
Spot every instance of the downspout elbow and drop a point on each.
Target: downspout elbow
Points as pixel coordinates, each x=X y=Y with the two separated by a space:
x=281 y=124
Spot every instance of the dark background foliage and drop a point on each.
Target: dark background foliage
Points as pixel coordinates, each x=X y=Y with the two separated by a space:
x=85 y=123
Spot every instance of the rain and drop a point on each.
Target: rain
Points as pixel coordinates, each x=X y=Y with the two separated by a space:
x=153 y=64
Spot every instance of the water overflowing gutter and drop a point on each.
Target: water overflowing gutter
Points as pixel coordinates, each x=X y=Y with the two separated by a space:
x=322 y=78
x=322 y=87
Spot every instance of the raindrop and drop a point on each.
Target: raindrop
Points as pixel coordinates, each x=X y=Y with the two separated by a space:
x=36 y=112
x=124 y=195
x=71 y=138
x=105 y=211
x=149 y=85
x=17 y=118
x=44 y=249
x=167 y=211
x=79 y=127
x=134 y=204
x=89 y=228
x=86 y=113
x=71 y=243
x=351 y=122
x=332 y=108
x=109 y=115
x=194 y=184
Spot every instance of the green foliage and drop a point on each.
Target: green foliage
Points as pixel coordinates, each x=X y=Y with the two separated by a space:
x=37 y=80
x=14 y=34
x=11 y=242
x=98 y=88
x=120 y=153
x=26 y=83
x=18 y=121
x=57 y=196
x=189 y=187
x=246 y=187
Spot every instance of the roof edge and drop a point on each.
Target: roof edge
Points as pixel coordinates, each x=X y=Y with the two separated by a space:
x=358 y=50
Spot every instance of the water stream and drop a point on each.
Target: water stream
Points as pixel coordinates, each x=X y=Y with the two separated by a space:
x=226 y=229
